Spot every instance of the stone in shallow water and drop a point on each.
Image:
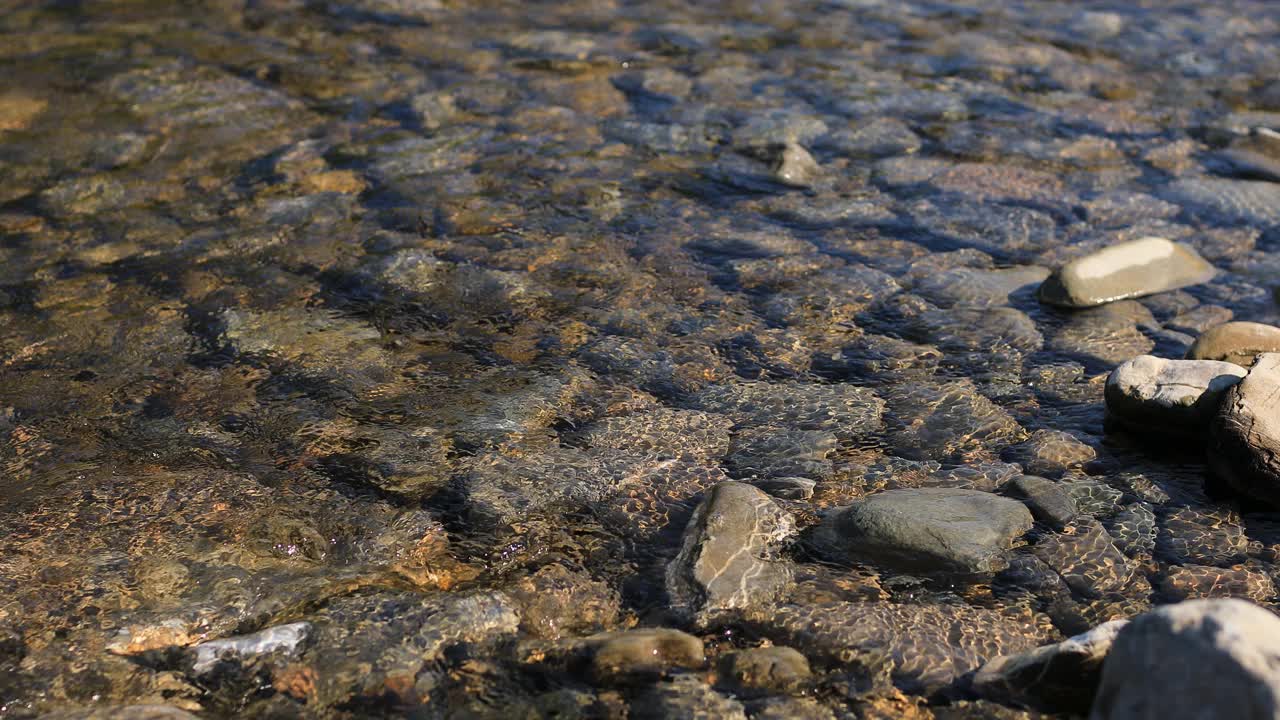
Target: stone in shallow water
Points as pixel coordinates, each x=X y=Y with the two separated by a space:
x=777 y=669
x=1188 y=582
x=947 y=420
x=924 y=647
x=998 y=330
x=1195 y=659
x=685 y=696
x=731 y=555
x=975 y=287
x=1149 y=393
x=1134 y=529
x=1207 y=537
x=1252 y=202
x=1062 y=677
x=926 y=530
x=1244 y=445
x=1139 y=267
x=787 y=488
x=845 y=410
x=662 y=432
x=796 y=167
x=769 y=451
x=1049 y=453
x=1236 y=342
x=1086 y=559
x=1048 y=501
x=1105 y=336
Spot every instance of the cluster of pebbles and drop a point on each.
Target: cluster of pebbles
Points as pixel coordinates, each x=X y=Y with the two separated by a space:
x=801 y=359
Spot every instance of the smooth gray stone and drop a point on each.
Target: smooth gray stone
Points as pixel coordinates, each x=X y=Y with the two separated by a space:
x=1049 y=502
x=925 y=530
x=1132 y=269
x=1236 y=342
x=731 y=556
x=1150 y=393
x=1062 y=677
x=1244 y=437
x=1194 y=660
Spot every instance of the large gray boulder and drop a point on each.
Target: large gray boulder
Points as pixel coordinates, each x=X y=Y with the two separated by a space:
x=731 y=557
x=1244 y=437
x=1177 y=396
x=1235 y=342
x=1132 y=269
x=925 y=530
x=1195 y=660
x=1062 y=677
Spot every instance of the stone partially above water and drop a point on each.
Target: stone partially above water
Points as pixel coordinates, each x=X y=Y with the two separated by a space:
x=1057 y=678
x=1236 y=342
x=925 y=530
x=730 y=558
x=1244 y=437
x=1196 y=659
x=1150 y=393
x=1139 y=267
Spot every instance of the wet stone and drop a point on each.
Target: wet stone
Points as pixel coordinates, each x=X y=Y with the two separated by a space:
x=643 y=652
x=1245 y=201
x=995 y=329
x=1244 y=438
x=769 y=451
x=775 y=669
x=1048 y=501
x=685 y=696
x=1152 y=394
x=1189 y=582
x=556 y=601
x=925 y=530
x=1062 y=677
x=731 y=555
x=796 y=167
x=1092 y=496
x=1205 y=537
x=1213 y=657
x=1134 y=529
x=1086 y=559
x=1104 y=336
x=1139 y=267
x=1050 y=453
x=844 y=410
x=787 y=488
x=282 y=639
x=975 y=287
x=923 y=647
x=947 y=420
x=661 y=432
x=1236 y=342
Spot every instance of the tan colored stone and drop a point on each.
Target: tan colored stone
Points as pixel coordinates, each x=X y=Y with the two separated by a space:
x=1236 y=342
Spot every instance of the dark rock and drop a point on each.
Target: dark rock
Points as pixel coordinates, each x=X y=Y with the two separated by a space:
x=1048 y=501
x=685 y=696
x=927 y=529
x=787 y=488
x=1244 y=437
x=643 y=652
x=776 y=669
x=1062 y=677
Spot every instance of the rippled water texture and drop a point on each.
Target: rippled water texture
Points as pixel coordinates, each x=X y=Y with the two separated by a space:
x=412 y=331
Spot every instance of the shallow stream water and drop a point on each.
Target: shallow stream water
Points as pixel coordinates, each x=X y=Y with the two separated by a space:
x=428 y=323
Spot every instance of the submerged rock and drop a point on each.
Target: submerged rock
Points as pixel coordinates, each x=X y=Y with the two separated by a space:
x=925 y=530
x=1139 y=267
x=1049 y=502
x=1244 y=437
x=1196 y=659
x=1062 y=677
x=778 y=669
x=730 y=556
x=1236 y=342
x=285 y=639
x=644 y=651
x=1150 y=393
